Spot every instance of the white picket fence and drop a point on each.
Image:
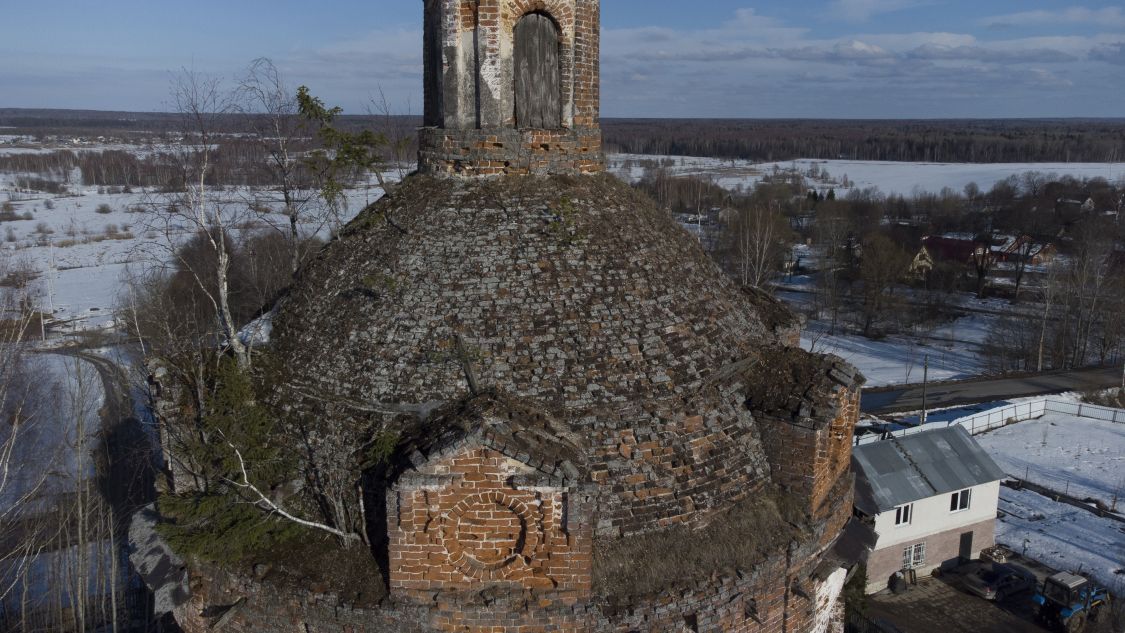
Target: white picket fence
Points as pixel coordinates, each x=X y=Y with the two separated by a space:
x=996 y=418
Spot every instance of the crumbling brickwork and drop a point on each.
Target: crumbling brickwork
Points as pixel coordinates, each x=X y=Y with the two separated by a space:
x=778 y=596
x=566 y=377
x=471 y=122
x=463 y=520
x=503 y=151
x=538 y=282
x=677 y=466
x=808 y=421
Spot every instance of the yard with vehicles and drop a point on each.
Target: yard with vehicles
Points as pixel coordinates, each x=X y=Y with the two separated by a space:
x=1059 y=519
x=943 y=604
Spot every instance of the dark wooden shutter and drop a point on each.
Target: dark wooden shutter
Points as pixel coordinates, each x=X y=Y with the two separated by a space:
x=433 y=63
x=537 y=82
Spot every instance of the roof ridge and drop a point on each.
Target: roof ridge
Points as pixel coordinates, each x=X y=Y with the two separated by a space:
x=913 y=464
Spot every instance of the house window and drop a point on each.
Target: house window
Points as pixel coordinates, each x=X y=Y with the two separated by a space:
x=903 y=514
x=914 y=556
x=959 y=501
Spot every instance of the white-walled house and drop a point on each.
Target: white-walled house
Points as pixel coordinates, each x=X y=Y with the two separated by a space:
x=933 y=498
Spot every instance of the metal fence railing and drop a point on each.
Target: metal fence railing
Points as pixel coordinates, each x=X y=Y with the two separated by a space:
x=1002 y=416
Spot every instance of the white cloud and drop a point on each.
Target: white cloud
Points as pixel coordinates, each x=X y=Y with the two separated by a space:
x=1109 y=17
x=864 y=10
x=990 y=54
x=1110 y=53
x=852 y=51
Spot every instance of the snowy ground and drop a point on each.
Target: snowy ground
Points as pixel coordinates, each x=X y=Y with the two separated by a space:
x=889 y=177
x=81 y=253
x=1066 y=453
x=1062 y=536
x=953 y=351
x=907 y=179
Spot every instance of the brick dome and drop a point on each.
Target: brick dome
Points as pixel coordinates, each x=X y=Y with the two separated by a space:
x=577 y=394
x=574 y=295
x=555 y=412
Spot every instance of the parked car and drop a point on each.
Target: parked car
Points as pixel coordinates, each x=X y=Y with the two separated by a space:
x=997 y=581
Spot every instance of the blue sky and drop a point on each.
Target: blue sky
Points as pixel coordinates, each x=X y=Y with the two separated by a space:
x=706 y=58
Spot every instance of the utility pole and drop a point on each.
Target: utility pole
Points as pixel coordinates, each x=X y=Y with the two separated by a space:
x=925 y=386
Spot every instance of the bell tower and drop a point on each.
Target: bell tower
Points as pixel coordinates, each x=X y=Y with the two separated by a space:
x=511 y=87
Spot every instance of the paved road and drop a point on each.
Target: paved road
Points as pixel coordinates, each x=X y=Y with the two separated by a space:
x=974 y=391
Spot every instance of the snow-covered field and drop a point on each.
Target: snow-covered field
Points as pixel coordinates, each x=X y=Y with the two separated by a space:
x=889 y=177
x=1066 y=453
x=906 y=179
x=896 y=359
x=952 y=349
x=1062 y=536
x=81 y=254
x=81 y=245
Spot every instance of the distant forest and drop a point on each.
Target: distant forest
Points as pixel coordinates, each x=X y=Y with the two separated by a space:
x=765 y=140
x=952 y=141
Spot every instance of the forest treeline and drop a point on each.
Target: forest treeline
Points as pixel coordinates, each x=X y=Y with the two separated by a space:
x=41 y=124
x=765 y=140
x=238 y=162
x=955 y=141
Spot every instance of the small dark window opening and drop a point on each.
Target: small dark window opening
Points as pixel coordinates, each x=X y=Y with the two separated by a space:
x=960 y=500
x=538 y=82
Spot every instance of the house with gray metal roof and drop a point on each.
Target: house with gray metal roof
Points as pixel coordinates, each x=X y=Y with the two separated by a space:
x=932 y=497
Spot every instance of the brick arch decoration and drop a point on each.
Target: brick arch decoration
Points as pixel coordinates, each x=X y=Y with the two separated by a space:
x=560 y=11
x=491 y=536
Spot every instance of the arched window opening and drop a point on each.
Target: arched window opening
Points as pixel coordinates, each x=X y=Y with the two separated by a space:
x=538 y=82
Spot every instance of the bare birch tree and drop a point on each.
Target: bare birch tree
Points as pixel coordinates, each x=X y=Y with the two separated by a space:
x=200 y=208
x=757 y=243
x=286 y=138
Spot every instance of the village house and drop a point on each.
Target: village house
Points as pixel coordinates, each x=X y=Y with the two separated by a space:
x=962 y=248
x=932 y=497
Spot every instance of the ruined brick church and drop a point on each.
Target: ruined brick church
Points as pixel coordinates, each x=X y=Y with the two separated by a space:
x=594 y=429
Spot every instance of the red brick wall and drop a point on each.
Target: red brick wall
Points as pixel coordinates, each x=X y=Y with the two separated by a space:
x=475 y=528
x=775 y=597
x=834 y=448
x=482 y=141
x=676 y=466
x=809 y=460
x=508 y=151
